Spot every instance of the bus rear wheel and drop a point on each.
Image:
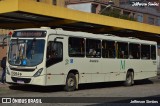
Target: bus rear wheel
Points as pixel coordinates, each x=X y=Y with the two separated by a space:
x=129 y=79
x=70 y=82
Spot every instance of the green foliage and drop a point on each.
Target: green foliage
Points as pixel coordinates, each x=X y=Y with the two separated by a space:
x=116 y=13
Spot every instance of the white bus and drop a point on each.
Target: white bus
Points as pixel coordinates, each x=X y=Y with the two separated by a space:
x=44 y=56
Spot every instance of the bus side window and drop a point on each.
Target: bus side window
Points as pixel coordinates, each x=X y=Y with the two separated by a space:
x=145 y=51
x=122 y=50
x=93 y=48
x=48 y=50
x=134 y=51
x=108 y=49
x=76 y=47
x=54 y=53
x=153 y=52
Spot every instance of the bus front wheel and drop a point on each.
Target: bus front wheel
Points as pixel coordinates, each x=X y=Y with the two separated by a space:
x=70 y=82
x=129 y=79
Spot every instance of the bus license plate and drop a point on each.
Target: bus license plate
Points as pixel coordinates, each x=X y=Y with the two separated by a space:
x=13 y=73
x=20 y=82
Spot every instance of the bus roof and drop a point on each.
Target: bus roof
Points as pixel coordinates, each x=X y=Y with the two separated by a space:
x=60 y=31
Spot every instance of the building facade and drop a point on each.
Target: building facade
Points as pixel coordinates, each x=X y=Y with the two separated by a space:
x=145 y=14
x=3 y=42
x=149 y=14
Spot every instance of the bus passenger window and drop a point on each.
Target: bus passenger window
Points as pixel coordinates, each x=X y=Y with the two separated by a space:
x=108 y=49
x=54 y=53
x=93 y=48
x=134 y=51
x=48 y=56
x=153 y=52
x=130 y=55
x=145 y=51
x=76 y=47
x=122 y=50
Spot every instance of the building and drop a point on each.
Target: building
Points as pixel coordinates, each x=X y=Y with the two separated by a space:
x=3 y=41
x=122 y=9
x=149 y=14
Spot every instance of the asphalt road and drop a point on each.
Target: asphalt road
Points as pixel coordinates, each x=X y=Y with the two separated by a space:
x=105 y=92
x=88 y=94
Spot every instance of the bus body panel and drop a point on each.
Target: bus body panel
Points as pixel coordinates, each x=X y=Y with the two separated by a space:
x=21 y=76
x=56 y=73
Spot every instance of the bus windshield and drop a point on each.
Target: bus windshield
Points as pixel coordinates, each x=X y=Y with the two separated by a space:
x=26 y=52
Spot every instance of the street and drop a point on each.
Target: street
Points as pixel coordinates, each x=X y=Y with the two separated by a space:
x=142 y=88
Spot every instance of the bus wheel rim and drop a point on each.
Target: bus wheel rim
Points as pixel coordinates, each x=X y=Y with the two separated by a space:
x=70 y=82
x=129 y=79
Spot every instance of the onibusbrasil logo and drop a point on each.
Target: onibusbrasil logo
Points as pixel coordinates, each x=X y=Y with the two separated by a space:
x=21 y=100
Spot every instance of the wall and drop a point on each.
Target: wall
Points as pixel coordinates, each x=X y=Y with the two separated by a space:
x=2 y=52
x=3 y=32
x=86 y=7
x=61 y=3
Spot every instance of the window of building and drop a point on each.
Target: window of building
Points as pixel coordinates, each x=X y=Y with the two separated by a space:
x=122 y=50
x=153 y=52
x=94 y=7
x=158 y=22
x=150 y=20
x=108 y=49
x=145 y=51
x=126 y=13
x=134 y=51
x=76 y=47
x=122 y=2
x=93 y=48
x=140 y=18
x=54 y=2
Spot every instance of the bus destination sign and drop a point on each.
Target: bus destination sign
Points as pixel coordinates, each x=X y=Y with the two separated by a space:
x=29 y=34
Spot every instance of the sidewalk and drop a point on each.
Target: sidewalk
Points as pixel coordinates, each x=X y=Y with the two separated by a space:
x=4 y=85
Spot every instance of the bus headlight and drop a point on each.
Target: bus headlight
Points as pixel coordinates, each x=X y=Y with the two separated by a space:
x=38 y=73
x=7 y=71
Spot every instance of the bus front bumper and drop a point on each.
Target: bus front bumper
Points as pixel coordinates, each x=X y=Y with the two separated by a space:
x=40 y=80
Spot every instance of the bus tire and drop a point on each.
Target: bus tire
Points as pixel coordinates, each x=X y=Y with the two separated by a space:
x=71 y=82
x=129 y=79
